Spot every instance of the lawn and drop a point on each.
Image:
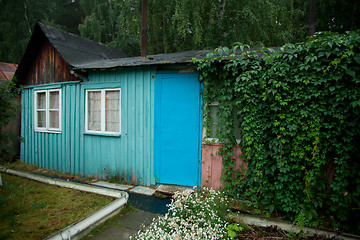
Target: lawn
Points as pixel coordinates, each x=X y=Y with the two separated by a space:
x=32 y=210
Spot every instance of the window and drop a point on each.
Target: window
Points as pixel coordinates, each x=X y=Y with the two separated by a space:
x=103 y=111
x=214 y=111
x=48 y=110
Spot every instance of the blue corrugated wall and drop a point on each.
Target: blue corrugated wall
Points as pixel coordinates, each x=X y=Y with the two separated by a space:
x=129 y=156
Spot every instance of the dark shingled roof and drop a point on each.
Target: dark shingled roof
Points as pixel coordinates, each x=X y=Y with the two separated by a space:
x=158 y=59
x=76 y=51
x=84 y=54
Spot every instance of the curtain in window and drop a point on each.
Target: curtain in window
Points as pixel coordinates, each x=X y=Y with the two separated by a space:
x=94 y=110
x=54 y=110
x=112 y=111
x=41 y=109
x=215 y=120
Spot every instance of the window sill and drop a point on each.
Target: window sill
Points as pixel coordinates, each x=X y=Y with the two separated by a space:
x=47 y=131
x=103 y=134
x=216 y=140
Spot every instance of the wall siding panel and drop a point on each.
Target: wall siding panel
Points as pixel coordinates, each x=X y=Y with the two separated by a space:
x=129 y=156
x=49 y=67
x=211 y=165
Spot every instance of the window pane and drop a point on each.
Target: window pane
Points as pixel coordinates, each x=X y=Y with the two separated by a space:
x=112 y=111
x=54 y=100
x=215 y=120
x=214 y=109
x=41 y=100
x=54 y=119
x=41 y=119
x=94 y=110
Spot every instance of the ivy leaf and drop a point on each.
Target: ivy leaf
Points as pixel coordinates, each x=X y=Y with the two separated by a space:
x=232 y=234
x=355 y=103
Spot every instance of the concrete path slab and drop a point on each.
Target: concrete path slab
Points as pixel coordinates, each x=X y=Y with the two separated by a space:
x=125 y=226
x=170 y=189
x=143 y=190
x=112 y=185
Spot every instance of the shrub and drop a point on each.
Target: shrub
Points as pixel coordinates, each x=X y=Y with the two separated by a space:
x=9 y=108
x=192 y=215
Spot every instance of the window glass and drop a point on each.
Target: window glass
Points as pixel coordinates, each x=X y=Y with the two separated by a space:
x=214 y=114
x=215 y=120
x=54 y=100
x=112 y=113
x=41 y=100
x=94 y=110
x=41 y=119
x=103 y=111
x=54 y=119
x=47 y=110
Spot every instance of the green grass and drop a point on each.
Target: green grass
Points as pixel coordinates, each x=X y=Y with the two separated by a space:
x=32 y=168
x=32 y=210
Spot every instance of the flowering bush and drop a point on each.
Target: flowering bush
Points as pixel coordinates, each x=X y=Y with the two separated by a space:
x=192 y=215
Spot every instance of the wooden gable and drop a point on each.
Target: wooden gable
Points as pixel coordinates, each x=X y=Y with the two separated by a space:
x=49 y=67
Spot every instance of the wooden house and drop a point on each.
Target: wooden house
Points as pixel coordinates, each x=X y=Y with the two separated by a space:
x=88 y=110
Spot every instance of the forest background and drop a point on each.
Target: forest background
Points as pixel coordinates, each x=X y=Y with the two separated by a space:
x=173 y=25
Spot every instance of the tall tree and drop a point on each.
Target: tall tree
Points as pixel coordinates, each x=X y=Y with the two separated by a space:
x=113 y=22
x=18 y=17
x=337 y=15
x=173 y=25
x=179 y=25
x=208 y=24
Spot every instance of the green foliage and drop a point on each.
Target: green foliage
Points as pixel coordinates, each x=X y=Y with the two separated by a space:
x=8 y=105
x=233 y=230
x=18 y=17
x=181 y=25
x=191 y=25
x=9 y=109
x=173 y=25
x=337 y=15
x=114 y=22
x=299 y=112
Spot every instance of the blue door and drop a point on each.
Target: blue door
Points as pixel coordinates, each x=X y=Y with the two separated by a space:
x=177 y=129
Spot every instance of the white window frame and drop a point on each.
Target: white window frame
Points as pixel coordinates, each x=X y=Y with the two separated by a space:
x=47 y=110
x=103 y=113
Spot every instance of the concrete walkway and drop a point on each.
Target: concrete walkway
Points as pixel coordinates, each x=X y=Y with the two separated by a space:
x=124 y=226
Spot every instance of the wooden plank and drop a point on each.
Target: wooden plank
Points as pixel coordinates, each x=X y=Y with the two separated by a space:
x=49 y=67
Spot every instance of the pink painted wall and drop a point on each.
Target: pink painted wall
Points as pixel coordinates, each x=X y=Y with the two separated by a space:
x=211 y=165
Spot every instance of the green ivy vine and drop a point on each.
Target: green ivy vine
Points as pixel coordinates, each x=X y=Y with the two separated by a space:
x=298 y=109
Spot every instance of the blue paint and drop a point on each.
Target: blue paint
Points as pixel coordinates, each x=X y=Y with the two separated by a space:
x=160 y=125
x=128 y=155
x=177 y=128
